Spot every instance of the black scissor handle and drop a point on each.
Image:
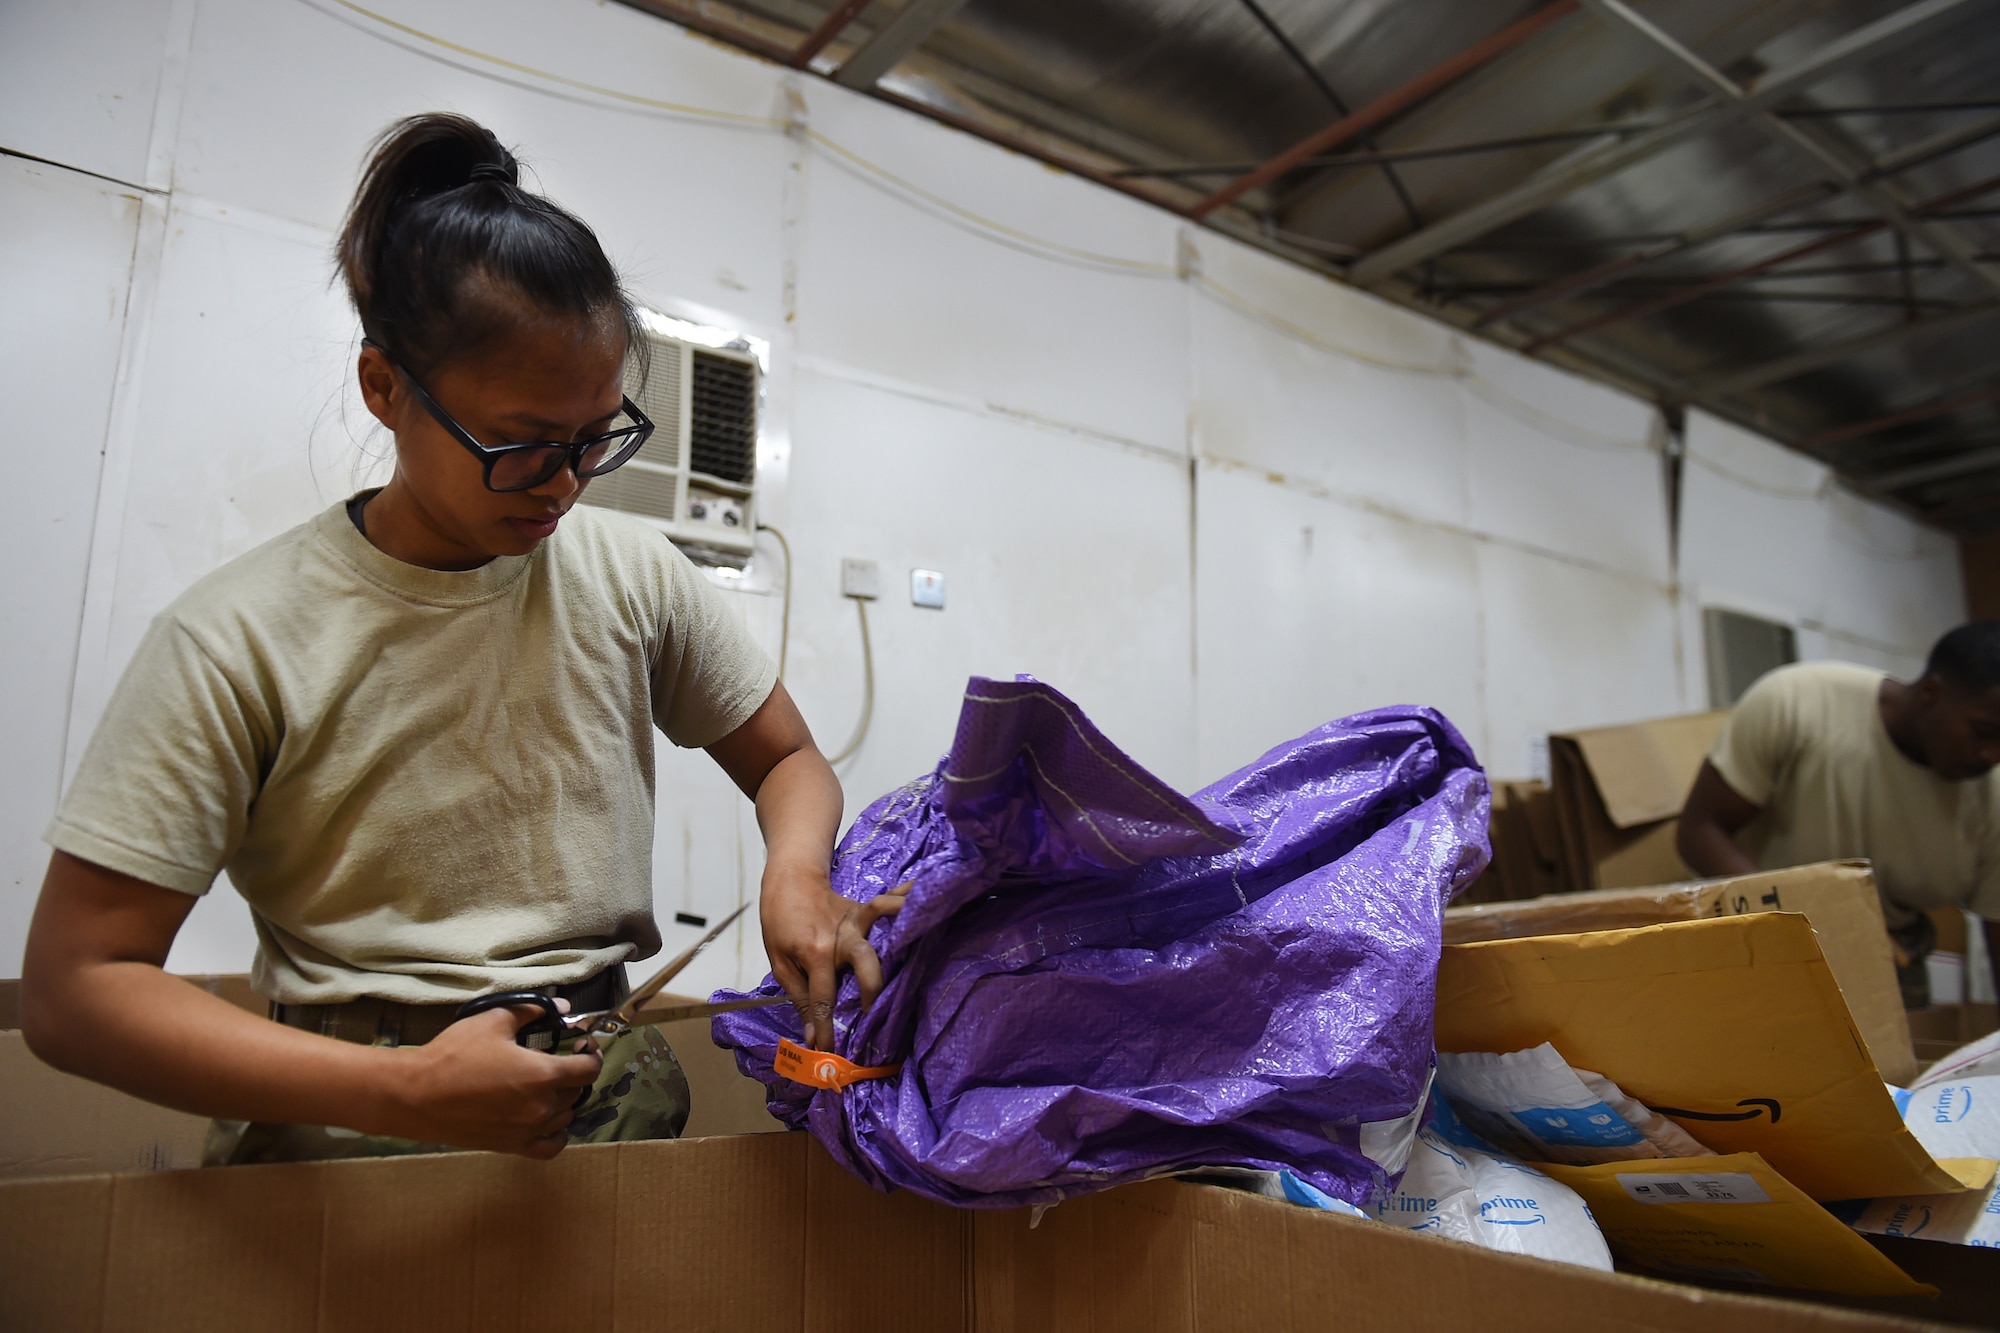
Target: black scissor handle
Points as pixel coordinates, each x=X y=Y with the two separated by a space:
x=541 y=1034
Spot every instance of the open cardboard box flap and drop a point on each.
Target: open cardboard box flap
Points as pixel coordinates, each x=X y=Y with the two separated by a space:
x=1838 y=897
x=1644 y=770
x=1733 y=1027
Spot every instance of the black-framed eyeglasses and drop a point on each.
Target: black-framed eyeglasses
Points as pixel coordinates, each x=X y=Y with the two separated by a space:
x=524 y=466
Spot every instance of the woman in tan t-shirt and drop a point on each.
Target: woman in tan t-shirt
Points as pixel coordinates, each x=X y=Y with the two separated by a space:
x=264 y=726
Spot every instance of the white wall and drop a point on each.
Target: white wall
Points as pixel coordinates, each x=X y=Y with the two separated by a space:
x=1215 y=498
x=1769 y=532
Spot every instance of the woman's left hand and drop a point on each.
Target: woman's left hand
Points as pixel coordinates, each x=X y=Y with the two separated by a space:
x=811 y=933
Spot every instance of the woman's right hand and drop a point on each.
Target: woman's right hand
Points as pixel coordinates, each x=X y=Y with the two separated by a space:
x=472 y=1087
x=95 y=1002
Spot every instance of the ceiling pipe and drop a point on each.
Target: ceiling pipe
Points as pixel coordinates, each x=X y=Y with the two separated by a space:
x=829 y=28
x=1390 y=104
x=1908 y=416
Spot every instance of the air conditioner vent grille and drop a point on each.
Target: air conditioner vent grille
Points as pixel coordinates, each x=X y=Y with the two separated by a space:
x=723 y=418
x=660 y=399
x=637 y=488
x=696 y=478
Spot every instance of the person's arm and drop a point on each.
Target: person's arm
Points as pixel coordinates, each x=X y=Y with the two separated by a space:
x=810 y=932
x=1706 y=835
x=97 y=1002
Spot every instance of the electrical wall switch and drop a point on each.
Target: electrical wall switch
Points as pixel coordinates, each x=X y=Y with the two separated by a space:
x=927 y=588
x=860 y=578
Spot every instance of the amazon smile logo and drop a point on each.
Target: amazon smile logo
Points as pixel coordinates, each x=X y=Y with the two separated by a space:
x=1757 y=1106
x=1502 y=1211
x=1953 y=1104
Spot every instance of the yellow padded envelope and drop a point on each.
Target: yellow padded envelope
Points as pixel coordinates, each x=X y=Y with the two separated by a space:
x=1733 y=1027
x=1732 y=1219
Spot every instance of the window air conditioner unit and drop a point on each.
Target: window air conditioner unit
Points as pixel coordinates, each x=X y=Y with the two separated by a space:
x=696 y=478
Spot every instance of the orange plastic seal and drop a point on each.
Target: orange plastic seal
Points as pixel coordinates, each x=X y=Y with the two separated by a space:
x=823 y=1069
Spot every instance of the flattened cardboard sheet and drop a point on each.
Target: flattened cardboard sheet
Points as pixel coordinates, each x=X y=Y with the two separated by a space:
x=1733 y=1027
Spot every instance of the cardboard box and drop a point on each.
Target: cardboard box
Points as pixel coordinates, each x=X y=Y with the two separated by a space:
x=1943 y=1028
x=1527 y=845
x=1618 y=794
x=233 y=987
x=765 y=1233
x=1838 y=897
x=52 y=1123
x=1733 y=1027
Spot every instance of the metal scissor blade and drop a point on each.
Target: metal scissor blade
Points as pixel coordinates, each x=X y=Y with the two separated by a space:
x=675 y=1013
x=647 y=989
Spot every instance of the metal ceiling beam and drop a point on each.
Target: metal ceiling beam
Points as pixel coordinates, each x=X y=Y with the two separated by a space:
x=1390 y=104
x=830 y=27
x=1936 y=145
x=1621 y=266
x=1707 y=285
x=1977 y=460
x=1835 y=224
x=1887 y=201
x=1932 y=447
x=1982 y=504
x=1378 y=157
x=1590 y=279
x=1890 y=109
x=1334 y=99
x=694 y=20
x=1931 y=411
x=1572 y=173
x=1693 y=291
x=1813 y=358
x=893 y=40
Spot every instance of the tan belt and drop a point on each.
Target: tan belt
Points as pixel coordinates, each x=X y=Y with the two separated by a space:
x=369 y=1021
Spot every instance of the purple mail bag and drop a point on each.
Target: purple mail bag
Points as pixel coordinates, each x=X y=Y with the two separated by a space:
x=1097 y=979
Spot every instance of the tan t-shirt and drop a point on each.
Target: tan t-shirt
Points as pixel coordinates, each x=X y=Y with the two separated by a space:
x=427 y=785
x=1807 y=744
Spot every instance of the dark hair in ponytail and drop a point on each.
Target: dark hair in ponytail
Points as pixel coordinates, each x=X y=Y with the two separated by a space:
x=442 y=247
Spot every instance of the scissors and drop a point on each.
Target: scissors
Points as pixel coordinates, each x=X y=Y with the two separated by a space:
x=554 y=1030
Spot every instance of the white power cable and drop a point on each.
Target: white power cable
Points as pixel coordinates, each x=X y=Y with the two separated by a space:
x=785 y=616
x=867 y=689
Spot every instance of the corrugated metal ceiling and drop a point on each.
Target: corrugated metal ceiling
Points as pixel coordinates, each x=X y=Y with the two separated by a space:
x=1574 y=180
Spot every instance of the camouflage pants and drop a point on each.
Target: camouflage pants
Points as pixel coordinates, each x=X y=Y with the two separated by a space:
x=642 y=1094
